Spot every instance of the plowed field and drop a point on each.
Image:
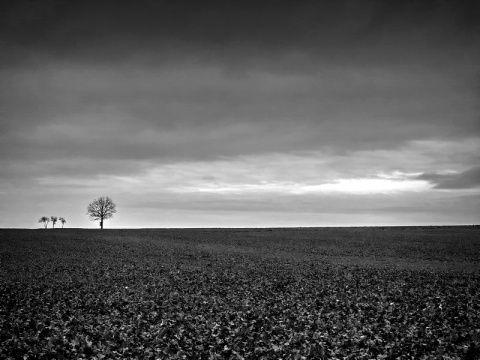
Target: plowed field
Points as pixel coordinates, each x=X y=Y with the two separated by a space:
x=310 y=293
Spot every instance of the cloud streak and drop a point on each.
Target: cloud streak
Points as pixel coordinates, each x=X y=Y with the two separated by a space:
x=468 y=179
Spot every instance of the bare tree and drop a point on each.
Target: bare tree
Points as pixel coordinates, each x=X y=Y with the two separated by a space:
x=45 y=220
x=54 y=221
x=62 y=220
x=101 y=209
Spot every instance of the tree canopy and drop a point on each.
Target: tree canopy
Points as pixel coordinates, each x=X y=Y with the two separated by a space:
x=101 y=209
x=54 y=220
x=45 y=220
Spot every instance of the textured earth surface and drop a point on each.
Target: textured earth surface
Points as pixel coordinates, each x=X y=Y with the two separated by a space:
x=309 y=293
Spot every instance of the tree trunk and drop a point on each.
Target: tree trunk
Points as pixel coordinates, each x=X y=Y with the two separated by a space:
x=101 y=224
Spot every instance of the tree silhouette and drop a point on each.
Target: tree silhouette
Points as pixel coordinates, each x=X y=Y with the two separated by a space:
x=62 y=220
x=45 y=220
x=54 y=221
x=101 y=209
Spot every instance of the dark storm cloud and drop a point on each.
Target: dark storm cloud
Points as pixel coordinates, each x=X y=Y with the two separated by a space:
x=467 y=179
x=195 y=79
x=196 y=112
x=111 y=30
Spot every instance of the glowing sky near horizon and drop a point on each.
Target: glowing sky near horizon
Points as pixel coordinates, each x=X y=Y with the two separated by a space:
x=240 y=113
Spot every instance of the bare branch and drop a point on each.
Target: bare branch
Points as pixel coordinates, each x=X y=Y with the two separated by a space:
x=45 y=220
x=54 y=221
x=101 y=209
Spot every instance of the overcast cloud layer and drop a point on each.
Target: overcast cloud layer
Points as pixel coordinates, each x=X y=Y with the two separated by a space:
x=240 y=113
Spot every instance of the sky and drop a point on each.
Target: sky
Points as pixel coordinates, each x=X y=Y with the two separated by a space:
x=227 y=113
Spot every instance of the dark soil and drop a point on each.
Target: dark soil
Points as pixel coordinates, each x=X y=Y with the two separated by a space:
x=326 y=293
